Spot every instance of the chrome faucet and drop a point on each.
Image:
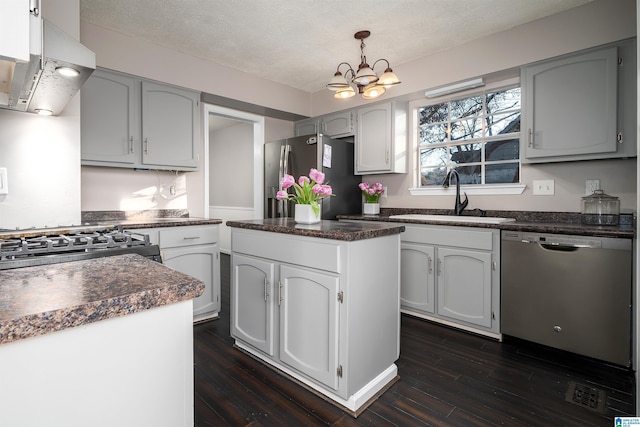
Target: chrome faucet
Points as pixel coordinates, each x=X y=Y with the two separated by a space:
x=460 y=205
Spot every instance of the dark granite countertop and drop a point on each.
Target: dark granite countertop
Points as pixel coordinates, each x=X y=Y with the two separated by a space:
x=145 y=218
x=43 y=299
x=537 y=222
x=334 y=230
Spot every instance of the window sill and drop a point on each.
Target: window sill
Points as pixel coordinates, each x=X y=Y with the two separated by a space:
x=490 y=189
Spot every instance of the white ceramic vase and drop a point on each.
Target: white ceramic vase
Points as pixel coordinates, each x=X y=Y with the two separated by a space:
x=371 y=208
x=304 y=215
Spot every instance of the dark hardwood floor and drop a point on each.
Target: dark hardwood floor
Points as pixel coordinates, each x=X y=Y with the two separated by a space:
x=447 y=378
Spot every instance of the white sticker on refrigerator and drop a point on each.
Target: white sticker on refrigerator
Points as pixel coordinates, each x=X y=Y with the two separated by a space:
x=326 y=156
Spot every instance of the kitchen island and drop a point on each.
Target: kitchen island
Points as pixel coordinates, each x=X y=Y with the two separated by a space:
x=319 y=303
x=100 y=342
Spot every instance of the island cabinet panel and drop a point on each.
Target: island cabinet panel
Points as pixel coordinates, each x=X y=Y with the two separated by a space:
x=253 y=306
x=333 y=326
x=309 y=323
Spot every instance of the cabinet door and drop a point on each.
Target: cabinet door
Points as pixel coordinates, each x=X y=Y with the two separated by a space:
x=309 y=323
x=110 y=120
x=373 y=141
x=14 y=30
x=252 y=302
x=203 y=263
x=417 y=288
x=169 y=126
x=306 y=127
x=338 y=124
x=464 y=285
x=571 y=105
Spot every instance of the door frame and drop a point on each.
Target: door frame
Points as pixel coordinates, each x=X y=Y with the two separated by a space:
x=258 y=152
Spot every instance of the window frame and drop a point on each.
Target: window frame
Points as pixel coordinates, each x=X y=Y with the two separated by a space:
x=483 y=189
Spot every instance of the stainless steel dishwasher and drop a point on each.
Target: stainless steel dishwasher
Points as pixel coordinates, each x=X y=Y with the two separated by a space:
x=568 y=292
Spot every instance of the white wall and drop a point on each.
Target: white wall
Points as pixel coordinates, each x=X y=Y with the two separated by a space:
x=130 y=55
x=230 y=166
x=42 y=154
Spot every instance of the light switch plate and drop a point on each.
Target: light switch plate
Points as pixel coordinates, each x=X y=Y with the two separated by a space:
x=4 y=186
x=544 y=187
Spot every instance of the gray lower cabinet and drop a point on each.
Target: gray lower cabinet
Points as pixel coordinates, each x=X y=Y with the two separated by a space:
x=135 y=123
x=451 y=275
x=193 y=250
x=580 y=106
x=319 y=310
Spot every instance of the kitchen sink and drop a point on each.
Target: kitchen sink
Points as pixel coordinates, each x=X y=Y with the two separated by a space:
x=457 y=218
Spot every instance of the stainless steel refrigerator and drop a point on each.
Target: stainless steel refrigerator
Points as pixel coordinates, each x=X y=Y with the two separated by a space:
x=296 y=156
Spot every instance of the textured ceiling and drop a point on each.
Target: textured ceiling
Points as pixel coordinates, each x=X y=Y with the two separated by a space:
x=300 y=42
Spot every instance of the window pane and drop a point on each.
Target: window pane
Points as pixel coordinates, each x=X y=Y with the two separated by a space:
x=503 y=123
x=469 y=174
x=466 y=129
x=435 y=156
x=466 y=132
x=502 y=150
x=433 y=176
x=503 y=173
x=433 y=114
x=503 y=100
x=467 y=153
x=433 y=134
x=467 y=107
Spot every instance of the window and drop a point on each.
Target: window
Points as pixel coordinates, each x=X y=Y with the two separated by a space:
x=478 y=136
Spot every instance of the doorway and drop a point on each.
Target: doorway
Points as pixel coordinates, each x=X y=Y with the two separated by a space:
x=233 y=181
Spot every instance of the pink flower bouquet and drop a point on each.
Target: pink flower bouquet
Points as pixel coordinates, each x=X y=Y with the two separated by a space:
x=308 y=190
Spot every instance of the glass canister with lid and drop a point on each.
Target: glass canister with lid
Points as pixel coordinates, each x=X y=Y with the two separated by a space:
x=600 y=209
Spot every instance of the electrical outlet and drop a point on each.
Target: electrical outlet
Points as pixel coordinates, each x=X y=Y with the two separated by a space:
x=384 y=194
x=544 y=187
x=591 y=186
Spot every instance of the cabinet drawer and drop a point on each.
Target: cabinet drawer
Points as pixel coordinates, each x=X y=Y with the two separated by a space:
x=322 y=254
x=463 y=237
x=188 y=236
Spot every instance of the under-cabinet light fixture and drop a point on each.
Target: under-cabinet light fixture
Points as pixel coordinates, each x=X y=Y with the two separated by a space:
x=456 y=87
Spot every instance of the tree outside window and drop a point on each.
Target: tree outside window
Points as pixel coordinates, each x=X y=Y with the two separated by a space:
x=478 y=136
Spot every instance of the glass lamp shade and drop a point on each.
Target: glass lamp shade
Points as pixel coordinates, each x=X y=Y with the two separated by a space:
x=347 y=92
x=337 y=82
x=388 y=78
x=373 y=91
x=365 y=75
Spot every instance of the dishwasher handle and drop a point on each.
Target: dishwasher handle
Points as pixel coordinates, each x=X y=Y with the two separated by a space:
x=562 y=248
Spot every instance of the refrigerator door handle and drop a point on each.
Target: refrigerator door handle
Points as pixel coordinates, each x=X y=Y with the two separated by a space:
x=284 y=168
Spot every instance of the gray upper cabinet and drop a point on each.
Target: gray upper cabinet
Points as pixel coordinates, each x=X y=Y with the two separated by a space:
x=338 y=125
x=110 y=120
x=381 y=139
x=306 y=126
x=579 y=107
x=134 y=123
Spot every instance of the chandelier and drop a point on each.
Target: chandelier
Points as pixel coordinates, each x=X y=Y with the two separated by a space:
x=365 y=80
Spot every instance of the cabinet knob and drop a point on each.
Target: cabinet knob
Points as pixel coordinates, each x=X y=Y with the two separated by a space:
x=557 y=329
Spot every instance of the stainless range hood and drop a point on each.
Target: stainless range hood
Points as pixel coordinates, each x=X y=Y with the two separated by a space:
x=38 y=86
